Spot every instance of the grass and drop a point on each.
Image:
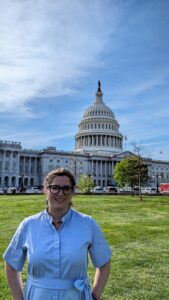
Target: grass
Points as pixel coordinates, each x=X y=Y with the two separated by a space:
x=138 y=233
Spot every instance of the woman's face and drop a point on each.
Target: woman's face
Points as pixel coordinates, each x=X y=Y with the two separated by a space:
x=59 y=201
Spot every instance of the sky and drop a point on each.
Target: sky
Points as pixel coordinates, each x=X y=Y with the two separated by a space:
x=52 y=54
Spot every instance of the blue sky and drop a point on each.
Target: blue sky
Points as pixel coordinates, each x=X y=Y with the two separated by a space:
x=53 y=53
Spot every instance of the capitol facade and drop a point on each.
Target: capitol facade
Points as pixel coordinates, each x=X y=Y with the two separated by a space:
x=98 y=147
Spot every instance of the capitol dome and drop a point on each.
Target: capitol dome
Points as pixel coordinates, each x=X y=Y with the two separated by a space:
x=98 y=129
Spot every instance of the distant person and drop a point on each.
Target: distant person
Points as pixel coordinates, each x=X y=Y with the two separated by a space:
x=56 y=243
x=5 y=190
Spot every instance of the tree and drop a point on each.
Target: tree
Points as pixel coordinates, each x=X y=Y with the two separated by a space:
x=86 y=183
x=131 y=171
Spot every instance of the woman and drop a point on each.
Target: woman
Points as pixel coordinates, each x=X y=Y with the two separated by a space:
x=56 y=243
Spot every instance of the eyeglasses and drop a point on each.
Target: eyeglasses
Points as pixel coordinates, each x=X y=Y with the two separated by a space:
x=55 y=189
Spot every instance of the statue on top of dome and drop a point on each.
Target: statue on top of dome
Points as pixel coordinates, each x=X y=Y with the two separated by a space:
x=99 y=86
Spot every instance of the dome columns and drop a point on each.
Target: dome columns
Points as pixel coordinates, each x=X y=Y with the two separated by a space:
x=100 y=140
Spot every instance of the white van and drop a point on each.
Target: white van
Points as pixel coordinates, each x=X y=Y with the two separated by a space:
x=151 y=190
x=33 y=190
x=97 y=190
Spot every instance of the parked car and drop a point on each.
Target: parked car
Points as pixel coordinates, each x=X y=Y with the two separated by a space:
x=151 y=190
x=125 y=190
x=33 y=190
x=1 y=190
x=145 y=190
x=164 y=188
x=77 y=191
x=11 y=190
x=110 y=190
x=97 y=190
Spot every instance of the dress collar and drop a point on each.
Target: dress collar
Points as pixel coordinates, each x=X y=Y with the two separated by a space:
x=63 y=219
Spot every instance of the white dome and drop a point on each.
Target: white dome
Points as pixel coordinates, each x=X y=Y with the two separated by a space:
x=98 y=129
x=96 y=110
x=99 y=108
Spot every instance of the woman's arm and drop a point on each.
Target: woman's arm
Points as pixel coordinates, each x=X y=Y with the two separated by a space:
x=15 y=282
x=100 y=279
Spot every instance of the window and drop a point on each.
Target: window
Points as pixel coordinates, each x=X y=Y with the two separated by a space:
x=7 y=154
x=15 y=154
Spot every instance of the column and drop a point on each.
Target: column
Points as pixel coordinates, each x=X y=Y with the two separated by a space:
x=35 y=168
x=97 y=140
x=105 y=169
x=94 y=139
x=3 y=161
x=10 y=161
x=102 y=140
x=29 y=165
x=101 y=168
x=97 y=168
x=24 y=165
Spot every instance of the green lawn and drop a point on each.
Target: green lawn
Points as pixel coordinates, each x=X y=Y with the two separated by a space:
x=138 y=233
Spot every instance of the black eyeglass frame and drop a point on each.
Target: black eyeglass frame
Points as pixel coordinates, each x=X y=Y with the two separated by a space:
x=61 y=188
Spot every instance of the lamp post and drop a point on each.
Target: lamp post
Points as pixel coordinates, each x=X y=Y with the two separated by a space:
x=157 y=176
x=157 y=183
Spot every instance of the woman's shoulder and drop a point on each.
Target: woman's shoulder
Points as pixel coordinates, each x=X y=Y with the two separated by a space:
x=85 y=220
x=33 y=218
x=82 y=217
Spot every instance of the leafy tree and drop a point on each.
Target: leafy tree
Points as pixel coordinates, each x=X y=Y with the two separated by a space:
x=131 y=171
x=86 y=183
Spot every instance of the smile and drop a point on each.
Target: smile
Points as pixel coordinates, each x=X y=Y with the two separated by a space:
x=60 y=200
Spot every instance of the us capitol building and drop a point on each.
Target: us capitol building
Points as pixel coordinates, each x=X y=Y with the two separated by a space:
x=98 y=147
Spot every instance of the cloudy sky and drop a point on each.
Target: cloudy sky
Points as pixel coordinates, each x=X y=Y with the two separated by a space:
x=52 y=53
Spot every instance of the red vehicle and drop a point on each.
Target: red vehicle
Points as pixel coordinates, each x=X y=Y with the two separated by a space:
x=164 y=188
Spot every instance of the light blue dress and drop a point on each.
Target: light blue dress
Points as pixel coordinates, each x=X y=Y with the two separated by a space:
x=57 y=259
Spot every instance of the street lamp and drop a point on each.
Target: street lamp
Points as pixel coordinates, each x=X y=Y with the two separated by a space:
x=157 y=176
x=157 y=183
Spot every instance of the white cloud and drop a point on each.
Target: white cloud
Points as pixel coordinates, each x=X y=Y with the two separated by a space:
x=45 y=45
